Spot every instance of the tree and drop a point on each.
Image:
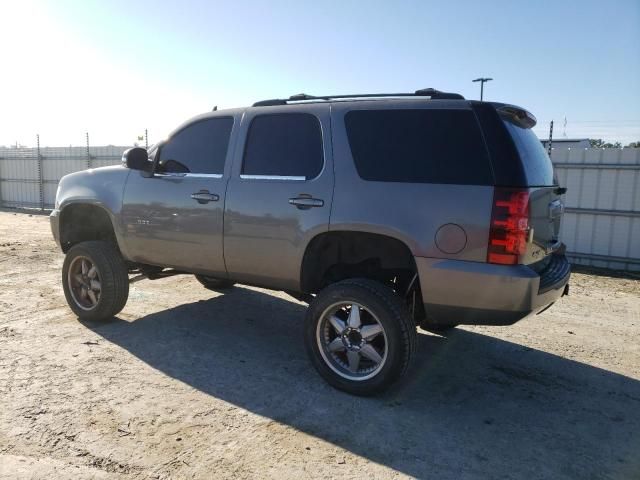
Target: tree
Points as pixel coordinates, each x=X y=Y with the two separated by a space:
x=634 y=144
x=599 y=143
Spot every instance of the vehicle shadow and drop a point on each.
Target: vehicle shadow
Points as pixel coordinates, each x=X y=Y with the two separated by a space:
x=472 y=406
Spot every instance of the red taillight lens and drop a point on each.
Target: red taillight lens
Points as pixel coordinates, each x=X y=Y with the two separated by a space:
x=509 y=226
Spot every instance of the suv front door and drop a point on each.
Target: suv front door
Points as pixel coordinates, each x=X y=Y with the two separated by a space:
x=174 y=218
x=279 y=195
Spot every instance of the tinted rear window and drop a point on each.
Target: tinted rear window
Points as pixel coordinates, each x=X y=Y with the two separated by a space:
x=418 y=146
x=535 y=161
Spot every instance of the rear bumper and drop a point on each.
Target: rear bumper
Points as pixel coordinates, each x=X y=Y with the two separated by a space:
x=459 y=292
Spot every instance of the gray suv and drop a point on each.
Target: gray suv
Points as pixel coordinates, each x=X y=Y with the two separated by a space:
x=382 y=211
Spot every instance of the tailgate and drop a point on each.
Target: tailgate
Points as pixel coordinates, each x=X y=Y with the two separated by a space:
x=545 y=203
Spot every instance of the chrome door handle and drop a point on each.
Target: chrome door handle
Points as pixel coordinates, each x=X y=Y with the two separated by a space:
x=203 y=196
x=170 y=174
x=306 y=202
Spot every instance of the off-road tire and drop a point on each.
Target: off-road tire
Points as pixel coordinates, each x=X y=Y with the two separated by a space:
x=391 y=312
x=211 y=283
x=114 y=280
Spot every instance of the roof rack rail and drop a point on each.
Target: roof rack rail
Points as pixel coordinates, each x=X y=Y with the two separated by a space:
x=432 y=93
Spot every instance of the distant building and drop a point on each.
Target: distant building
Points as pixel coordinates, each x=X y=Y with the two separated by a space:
x=564 y=143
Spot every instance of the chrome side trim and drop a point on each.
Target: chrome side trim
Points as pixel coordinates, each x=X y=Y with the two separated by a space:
x=188 y=175
x=204 y=175
x=169 y=174
x=273 y=177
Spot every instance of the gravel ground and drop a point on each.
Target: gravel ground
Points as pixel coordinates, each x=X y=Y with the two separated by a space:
x=188 y=383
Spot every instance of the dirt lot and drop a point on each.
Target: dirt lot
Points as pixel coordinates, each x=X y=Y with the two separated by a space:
x=187 y=383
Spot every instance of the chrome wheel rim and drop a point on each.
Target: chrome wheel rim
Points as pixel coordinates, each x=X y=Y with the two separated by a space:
x=84 y=283
x=352 y=341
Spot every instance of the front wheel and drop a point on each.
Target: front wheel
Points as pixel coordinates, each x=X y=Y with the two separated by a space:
x=359 y=336
x=95 y=280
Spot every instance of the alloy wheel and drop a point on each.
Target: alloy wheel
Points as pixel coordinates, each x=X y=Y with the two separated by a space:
x=352 y=341
x=84 y=283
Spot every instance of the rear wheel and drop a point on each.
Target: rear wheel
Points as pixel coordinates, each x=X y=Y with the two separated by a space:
x=95 y=280
x=359 y=336
x=211 y=283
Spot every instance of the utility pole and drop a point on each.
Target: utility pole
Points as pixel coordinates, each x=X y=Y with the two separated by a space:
x=482 y=81
x=40 y=172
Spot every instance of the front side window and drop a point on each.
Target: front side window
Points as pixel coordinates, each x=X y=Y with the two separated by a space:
x=418 y=146
x=198 y=148
x=284 y=145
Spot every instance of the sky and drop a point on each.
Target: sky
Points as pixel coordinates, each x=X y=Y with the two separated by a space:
x=114 y=68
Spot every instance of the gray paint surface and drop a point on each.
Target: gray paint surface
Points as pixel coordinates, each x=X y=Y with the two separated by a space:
x=164 y=226
x=411 y=213
x=266 y=236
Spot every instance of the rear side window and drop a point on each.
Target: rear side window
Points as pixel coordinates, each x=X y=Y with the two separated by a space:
x=284 y=145
x=535 y=161
x=198 y=148
x=418 y=146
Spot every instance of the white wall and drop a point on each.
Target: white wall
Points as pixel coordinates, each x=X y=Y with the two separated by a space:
x=601 y=225
x=21 y=171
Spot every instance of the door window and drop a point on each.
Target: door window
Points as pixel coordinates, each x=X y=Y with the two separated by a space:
x=284 y=145
x=198 y=148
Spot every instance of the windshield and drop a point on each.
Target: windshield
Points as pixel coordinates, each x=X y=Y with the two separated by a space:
x=535 y=161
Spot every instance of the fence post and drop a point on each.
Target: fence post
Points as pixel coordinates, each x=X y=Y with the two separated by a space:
x=1 y=200
x=146 y=139
x=88 y=153
x=40 y=172
x=550 y=138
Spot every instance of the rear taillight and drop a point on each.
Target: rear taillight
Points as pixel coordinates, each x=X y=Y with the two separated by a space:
x=509 y=226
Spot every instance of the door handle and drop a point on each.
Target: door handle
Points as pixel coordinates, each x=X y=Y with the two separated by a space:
x=203 y=196
x=304 y=203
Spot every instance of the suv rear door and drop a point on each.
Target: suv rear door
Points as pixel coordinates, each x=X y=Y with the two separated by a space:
x=519 y=160
x=280 y=193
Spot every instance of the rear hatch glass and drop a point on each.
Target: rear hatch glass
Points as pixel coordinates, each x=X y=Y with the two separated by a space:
x=545 y=204
x=535 y=161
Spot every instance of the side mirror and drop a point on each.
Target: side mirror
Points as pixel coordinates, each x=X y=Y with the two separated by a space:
x=137 y=158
